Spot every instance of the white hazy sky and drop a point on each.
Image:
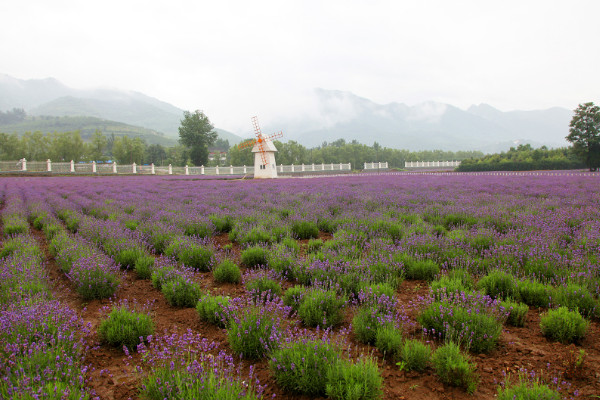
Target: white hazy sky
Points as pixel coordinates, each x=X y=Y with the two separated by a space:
x=235 y=59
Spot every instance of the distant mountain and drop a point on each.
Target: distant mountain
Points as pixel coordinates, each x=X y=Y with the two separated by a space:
x=48 y=97
x=425 y=126
x=86 y=126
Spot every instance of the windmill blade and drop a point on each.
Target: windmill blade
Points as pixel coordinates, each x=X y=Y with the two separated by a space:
x=263 y=155
x=257 y=131
x=274 y=136
x=246 y=144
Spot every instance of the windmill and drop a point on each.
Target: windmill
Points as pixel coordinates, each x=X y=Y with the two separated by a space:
x=264 y=152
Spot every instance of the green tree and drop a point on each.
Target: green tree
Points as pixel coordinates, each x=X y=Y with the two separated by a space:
x=584 y=133
x=35 y=146
x=66 y=146
x=155 y=154
x=197 y=133
x=97 y=146
x=10 y=147
x=243 y=156
x=128 y=151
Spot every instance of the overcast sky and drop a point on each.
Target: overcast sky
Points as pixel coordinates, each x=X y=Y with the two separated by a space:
x=236 y=59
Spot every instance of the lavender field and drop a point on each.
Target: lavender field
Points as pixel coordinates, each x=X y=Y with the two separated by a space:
x=448 y=286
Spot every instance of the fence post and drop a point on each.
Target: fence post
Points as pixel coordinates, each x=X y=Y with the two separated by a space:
x=134 y=168
x=292 y=167
x=340 y=166
x=231 y=169
x=302 y=167
x=48 y=165
x=201 y=169
x=170 y=169
x=152 y=170
x=313 y=166
x=94 y=167
x=349 y=166
x=72 y=166
x=115 y=167
x=245 y=169
x=217 y=170
x=187 y=171
x=280 y=167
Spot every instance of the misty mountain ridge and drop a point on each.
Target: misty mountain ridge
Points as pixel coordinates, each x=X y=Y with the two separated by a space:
x=327 y=116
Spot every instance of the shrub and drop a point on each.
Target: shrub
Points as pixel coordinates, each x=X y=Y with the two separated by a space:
x=526 y=389
x=293 y=297
x=388 y=340
x=160 y=276
x=563 y=325
x=517 y=312
x=446 y=286
x=254 y=256
x=93 y=279
x=474 y=329
x=366 y=323
x=354 y=381
x=124 y=327
x=415 y=355
x=305 y=229
x=421 y=269
x=190 y=253
x=314 y=245
x=143 y=267
x=253 y=332
x=321 y=308
x=577 y=297
x=181 y=292
x=227 y=272
x=302 y=366
x=534 y=293
x=454 y=368
x=499 y=284
x=212 y=309
x=222 y=223
x=291 y=244
x=264 y=287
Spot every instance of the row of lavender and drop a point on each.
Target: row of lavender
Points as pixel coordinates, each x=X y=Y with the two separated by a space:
x=532 y=243
x=42 y=346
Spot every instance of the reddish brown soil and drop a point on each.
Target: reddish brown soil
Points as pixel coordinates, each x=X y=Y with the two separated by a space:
x=113 y=376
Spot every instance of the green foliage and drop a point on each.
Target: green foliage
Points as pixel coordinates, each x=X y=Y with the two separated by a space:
x=222 y=223
x=252 y=334
x=366 y=322
x=477 y=331
x=499 y=284
x=524 y=158
x=305 y=229
x=421 y=269
x=563 y=325
x=183 y=384
x=197 y=133
x=293 y=297
x=454 y=368
x=576 y=297
x=354 y=381
x=212 y=309
x=124 y=327
x=302 y=366
x=534 y=293
x=264 y=288
x=388 y=340
x=526 y=389
x=584 y=133
x=415 y=355
x=321 y=308
x=181 y=292
x=517 y=312
x=143 y=267
x=227 y=272
x=254 y=256
x=197 y=228
x=314 y=245
x=190 y=253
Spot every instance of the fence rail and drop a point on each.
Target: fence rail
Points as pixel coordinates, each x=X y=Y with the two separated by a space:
x=429 y=164
x=113 y=168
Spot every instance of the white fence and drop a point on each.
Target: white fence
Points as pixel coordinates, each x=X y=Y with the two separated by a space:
x=376 y=165
x=426 y=164
x=113 y=168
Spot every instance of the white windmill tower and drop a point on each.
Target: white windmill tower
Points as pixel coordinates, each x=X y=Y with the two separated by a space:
x=264 y=152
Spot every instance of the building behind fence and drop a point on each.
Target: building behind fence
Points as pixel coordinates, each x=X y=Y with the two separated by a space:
x=113 y=168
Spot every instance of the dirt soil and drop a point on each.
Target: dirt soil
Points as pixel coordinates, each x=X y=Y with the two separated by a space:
x=113 y=376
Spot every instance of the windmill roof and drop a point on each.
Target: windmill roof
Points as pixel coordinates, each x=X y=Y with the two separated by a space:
x=267 y=146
